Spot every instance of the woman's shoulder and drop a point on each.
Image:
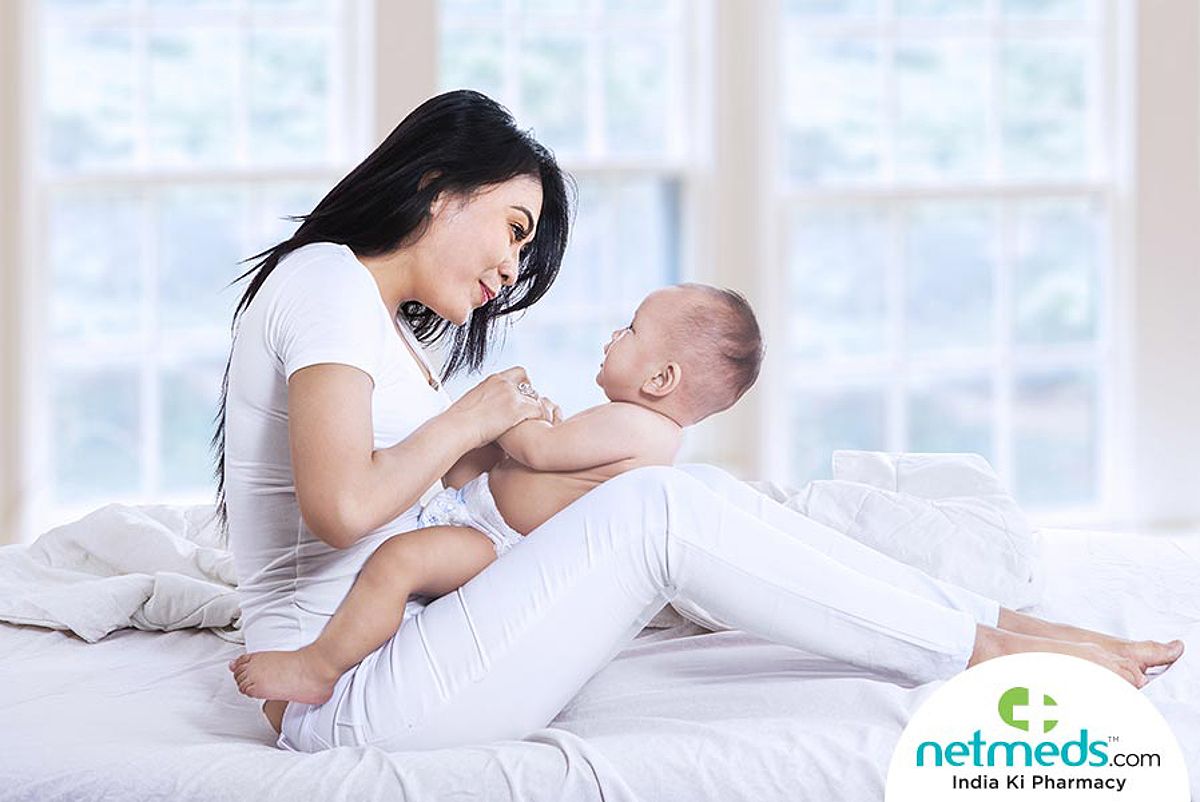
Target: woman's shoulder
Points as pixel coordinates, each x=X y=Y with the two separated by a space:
x=321 y=275
x=324 y=262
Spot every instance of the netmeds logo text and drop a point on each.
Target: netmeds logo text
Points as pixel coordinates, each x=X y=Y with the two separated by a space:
x=1016 y=711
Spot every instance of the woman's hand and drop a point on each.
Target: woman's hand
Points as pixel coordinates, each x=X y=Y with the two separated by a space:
x=496 y=404
x=550 y=411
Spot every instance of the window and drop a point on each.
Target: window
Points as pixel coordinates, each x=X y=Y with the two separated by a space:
x=602 y=83
x=945 y=192
x=171 y=139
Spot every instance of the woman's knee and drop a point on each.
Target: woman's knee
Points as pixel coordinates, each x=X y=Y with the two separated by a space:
x=653 y=493
x=654 y=481
x=710 y=475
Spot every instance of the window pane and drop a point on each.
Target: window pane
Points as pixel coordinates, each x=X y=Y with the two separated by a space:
x=95 y=434
x=199 y=244
x=273 y=204
x=1054 y=433
x=291 y=5
x=641 y=9
x=67 y=6
x=289 y=90
x=1060 y=9
x=1057 y=272
x=831 y=8
x=535 y=9
x=951 y=416
x=592 y=78
x=190 y=397
x=553 y=94
x=473 y=60
x=453 y=8
x=637 y=76
x=825 y=420
x=89 y=97
x=191 y=111
x=950 y=253
x=941 y=129
x=206 y=5
x=95 y=256
x=941 y=8
x=832 y=105
x=1045 y=110
x=837 y=289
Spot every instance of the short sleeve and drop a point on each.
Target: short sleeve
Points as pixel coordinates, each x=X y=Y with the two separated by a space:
x=328 y=309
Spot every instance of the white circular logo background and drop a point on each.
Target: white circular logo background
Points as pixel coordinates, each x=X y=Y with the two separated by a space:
x=1045 y=710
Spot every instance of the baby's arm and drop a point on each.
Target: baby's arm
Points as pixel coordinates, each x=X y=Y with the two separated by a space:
x=427 y=562
x=598 y=436
x=472 y=464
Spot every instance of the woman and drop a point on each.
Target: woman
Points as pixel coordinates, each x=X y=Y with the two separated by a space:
x=333 y=427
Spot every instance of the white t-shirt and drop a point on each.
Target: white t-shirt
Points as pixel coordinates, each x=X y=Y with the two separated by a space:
x=320 y=304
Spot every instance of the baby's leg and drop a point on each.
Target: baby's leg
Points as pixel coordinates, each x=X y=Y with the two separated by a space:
x=370 y=614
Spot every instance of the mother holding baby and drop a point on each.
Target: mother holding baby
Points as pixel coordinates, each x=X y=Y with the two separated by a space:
x=334 y=430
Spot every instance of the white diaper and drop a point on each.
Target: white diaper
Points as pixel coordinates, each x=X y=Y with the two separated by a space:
x=471 y=505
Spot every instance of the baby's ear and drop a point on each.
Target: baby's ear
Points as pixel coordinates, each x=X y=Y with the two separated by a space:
x=664 y=381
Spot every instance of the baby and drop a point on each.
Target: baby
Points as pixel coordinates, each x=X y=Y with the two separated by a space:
x=690 y=351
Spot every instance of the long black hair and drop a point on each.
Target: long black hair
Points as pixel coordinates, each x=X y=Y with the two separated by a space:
x=458 y=142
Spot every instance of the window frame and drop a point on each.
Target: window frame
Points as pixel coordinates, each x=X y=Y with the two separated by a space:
x=890 y=371
x=42 y=186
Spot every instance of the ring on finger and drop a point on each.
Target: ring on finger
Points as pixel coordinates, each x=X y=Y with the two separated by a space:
x=526 y=389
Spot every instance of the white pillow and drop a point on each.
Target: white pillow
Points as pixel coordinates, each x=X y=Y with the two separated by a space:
x=980 y=538
x=947 y=514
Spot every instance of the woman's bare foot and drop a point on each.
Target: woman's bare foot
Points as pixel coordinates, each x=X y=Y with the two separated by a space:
x=991 y=642
x=1147 y=653
x=299 y=676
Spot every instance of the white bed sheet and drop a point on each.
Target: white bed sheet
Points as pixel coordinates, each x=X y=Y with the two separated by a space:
x=681 y=714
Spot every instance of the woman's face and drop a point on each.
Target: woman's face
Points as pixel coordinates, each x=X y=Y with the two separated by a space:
x=473 y=245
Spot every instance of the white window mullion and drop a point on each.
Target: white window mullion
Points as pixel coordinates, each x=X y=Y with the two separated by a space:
x=993 y=91
x=595 y=138
x=895 y=384
x=514 y=40
x=241 y=89
x=1003 y=433
x=150 y=362
x=141 y=60
x=886 y=44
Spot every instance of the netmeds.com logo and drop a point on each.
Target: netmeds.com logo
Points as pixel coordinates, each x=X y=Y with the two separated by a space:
x=1036 y=722
x=1017 y=712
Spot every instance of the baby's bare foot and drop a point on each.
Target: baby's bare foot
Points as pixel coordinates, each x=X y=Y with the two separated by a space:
x=298 y=676
x=995 y=642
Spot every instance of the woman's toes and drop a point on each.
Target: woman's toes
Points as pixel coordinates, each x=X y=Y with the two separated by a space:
x=1154 y=653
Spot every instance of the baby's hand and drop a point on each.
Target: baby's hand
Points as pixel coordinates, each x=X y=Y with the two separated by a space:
x=550 y=411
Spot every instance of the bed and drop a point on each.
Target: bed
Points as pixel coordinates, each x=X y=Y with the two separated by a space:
x=682 y=713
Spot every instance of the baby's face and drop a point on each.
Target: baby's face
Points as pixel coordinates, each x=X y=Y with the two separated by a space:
x=637 y=351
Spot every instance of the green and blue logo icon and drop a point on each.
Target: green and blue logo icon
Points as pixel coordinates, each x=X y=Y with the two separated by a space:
x=1016 y=711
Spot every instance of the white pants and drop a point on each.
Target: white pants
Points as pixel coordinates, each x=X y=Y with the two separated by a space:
x=502 y=655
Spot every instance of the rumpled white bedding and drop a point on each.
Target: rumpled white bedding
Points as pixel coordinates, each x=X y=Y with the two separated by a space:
x=153 y=567
x=681 y=713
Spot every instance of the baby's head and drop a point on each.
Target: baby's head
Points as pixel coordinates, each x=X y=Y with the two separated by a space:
x=690 y=351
